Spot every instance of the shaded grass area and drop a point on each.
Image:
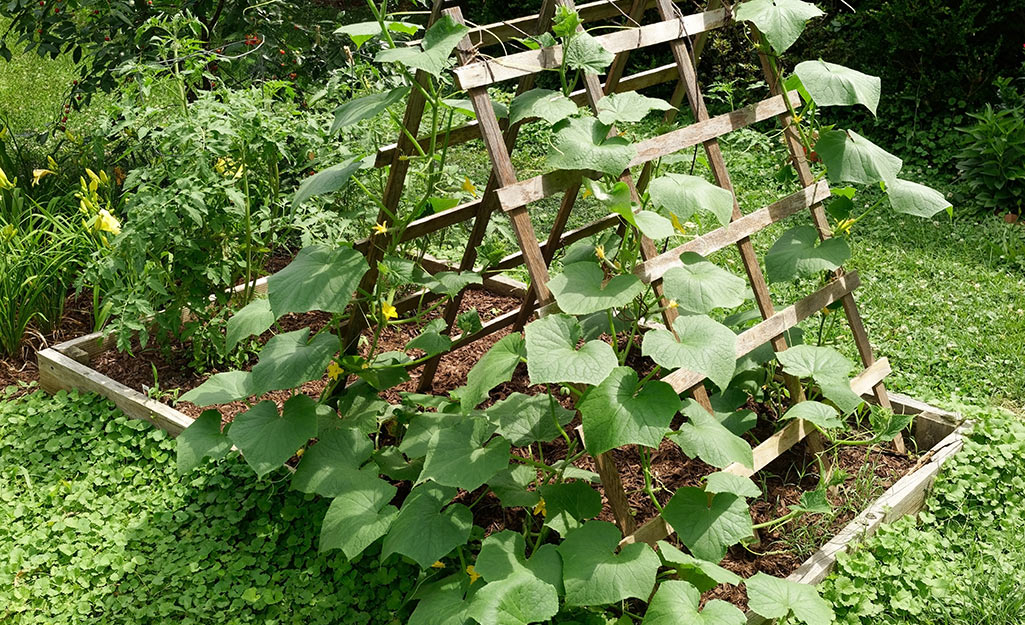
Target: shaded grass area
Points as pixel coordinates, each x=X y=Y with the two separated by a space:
x=96 y=523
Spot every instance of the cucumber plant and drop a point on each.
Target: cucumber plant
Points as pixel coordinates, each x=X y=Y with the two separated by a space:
x=451 y=457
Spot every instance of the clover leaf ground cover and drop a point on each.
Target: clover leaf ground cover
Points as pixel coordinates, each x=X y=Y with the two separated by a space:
x=960 y=563
x=97 y=525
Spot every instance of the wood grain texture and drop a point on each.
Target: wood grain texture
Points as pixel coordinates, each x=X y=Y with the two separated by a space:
x=485 y=73
x=58 y=372
x=736 y=230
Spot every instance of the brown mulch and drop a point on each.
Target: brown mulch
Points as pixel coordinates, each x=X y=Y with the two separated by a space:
x=782 y=549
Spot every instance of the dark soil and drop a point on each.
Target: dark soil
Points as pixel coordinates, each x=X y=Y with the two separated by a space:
x=21 y=369
x=781 y=550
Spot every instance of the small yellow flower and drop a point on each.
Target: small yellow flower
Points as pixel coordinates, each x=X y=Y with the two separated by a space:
x=469 y=187
x=845 y=226
x=676 y=224
x=39 y=174
x=539 y=508
x=333 y=370
x=105 y=222
x=380 y=228
x=672 y=304
x=587 y=193
x=389 y=311
x=238 y=174
x=300 y=452
x=472 y=572
x=438 y=564
x=220 y=165
x=826 y=311
x=5 y=182
x=599 y=251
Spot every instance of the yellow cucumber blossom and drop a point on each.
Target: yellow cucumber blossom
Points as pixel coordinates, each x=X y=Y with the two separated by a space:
x=438 y=564
x=333 y=370
x=389 y=311
x=539 y=508
x=845 y=226
x=599 y=251
x=380 y=228
x=672 y=304
x=472 y=572
x=676 y=224
x=39 y=174
x=5 y=182
x=469 y=187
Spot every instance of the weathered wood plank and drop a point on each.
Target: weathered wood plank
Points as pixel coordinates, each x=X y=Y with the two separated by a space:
x=777 y=324
x=59 y=372
x=539 y=187
x=744 y=227
x=485 y=73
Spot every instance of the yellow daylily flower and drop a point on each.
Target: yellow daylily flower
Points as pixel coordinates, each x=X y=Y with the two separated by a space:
x=52 y=163
x=333 y=370
x=599 y=251
x=389 y=311
x=39 y=174
x=380 y=228
x=472 y=572
x=105 y=222
x=469 y=187
x=5 y=182
x=539 y=508
x=438 y=564
x=104 y=178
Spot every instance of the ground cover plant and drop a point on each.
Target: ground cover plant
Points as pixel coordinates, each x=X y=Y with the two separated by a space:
x=97 y=523
x=446 y=455
x=958 y=562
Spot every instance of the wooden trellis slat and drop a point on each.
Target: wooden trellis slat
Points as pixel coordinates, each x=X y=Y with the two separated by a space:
x=520 y=64
x=505 y=190
x=544 y=185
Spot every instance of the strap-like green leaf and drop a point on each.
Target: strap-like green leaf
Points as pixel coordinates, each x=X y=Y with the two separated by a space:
x=618 y=413
x=835 y=85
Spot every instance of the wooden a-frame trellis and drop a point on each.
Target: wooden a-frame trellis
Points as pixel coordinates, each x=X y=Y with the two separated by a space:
x=684 y=35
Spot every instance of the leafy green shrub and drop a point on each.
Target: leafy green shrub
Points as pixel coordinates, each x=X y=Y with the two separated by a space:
x=96 y=525
x=992 y=161
x=961 y=561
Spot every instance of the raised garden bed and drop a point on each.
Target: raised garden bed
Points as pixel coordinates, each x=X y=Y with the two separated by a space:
x=936 y=434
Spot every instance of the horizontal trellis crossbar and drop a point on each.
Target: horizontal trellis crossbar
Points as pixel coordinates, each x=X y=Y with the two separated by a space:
x=777 y=324
x=485 y=73
x=471 y=130
x=656 y=267
x=533 y=189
